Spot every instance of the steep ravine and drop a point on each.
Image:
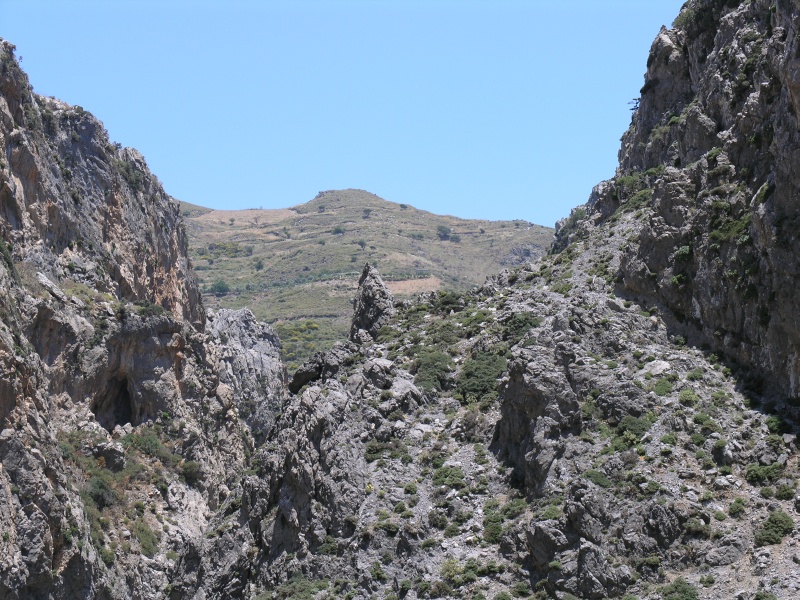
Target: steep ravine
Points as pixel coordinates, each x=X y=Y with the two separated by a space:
x=613 y=420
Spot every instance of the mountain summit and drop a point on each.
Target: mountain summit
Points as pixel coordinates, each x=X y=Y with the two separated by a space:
x=298 y=268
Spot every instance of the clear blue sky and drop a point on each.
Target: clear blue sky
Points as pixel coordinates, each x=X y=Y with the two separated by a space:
x=493 y=109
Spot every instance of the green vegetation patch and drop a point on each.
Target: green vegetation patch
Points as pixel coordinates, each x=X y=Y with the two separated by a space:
x=432 y=369
x=479 y=375
x=598 y=478
x=775 y=528
x=680 y=589
x=449 y=476
x=756 y=474
x=518 y=326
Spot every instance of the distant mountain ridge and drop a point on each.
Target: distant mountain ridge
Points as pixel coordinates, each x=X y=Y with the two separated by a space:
x=298 y=267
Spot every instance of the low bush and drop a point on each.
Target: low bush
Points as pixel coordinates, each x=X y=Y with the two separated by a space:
x=688 y=398
x=432 y=370
x=518 y=326
x=452 y=477
x=663 y=387
x=680 y=589
x=479 y=375
x=777 y=525
x=148 y=540
x=598 y=478
x=757 y=474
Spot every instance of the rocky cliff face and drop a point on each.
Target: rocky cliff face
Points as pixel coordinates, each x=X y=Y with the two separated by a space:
x=616 y=419
x=119 y=400
x=709 y=164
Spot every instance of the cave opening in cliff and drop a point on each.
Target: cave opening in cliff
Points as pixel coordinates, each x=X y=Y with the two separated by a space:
x=114 y=407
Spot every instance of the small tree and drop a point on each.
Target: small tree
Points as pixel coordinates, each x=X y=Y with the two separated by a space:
x=220 y=288
x=443 y=231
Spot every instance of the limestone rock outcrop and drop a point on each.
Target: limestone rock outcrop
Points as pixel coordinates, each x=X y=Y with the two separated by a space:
x=373 y=305
x=118 y=402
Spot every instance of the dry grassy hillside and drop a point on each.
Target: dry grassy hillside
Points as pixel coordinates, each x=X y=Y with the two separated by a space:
x=298 y=267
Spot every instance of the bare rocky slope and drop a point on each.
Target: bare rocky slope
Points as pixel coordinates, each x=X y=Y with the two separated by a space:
x=616 y=419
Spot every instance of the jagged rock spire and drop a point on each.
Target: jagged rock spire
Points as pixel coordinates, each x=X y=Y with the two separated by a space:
x=373 y=305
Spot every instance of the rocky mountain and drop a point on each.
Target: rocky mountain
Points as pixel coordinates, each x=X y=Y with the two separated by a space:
x=616 y=419
x=126 y=412
x=297 y=268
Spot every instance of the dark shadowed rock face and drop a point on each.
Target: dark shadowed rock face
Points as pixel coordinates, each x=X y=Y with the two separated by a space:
x=373 y=305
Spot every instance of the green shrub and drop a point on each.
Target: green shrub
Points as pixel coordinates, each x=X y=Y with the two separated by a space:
x=492 y=529
x=680 y=589
x=639 y=200
x=432 y=369
x=514 y=508
x=784 y=492
x=130 y=173
x=449 y=476
x=377 y=572
x=598 y=478
x=219 y=288
x=698 y=439
x=447 y=302
x=695 y=375
x=479 y=375
x=191 y=471
x=437 y=519
x=777 y=525
x=99 y=489
x=518 y=326
x=107 y=556
x=148 y=541
x=737 y=507
x=669 y=439
x=149 y=443
x=551 y=512
x=777 y=425
x=520 y=589
x=688 y=398
x=393 y=448
x=634 y=425
x=663 y=387
x=328 y=547
x=299 y=588
x=148 y=309
x=429 y=543
x=390 y=527
x=757 y=474
x=695 y=526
